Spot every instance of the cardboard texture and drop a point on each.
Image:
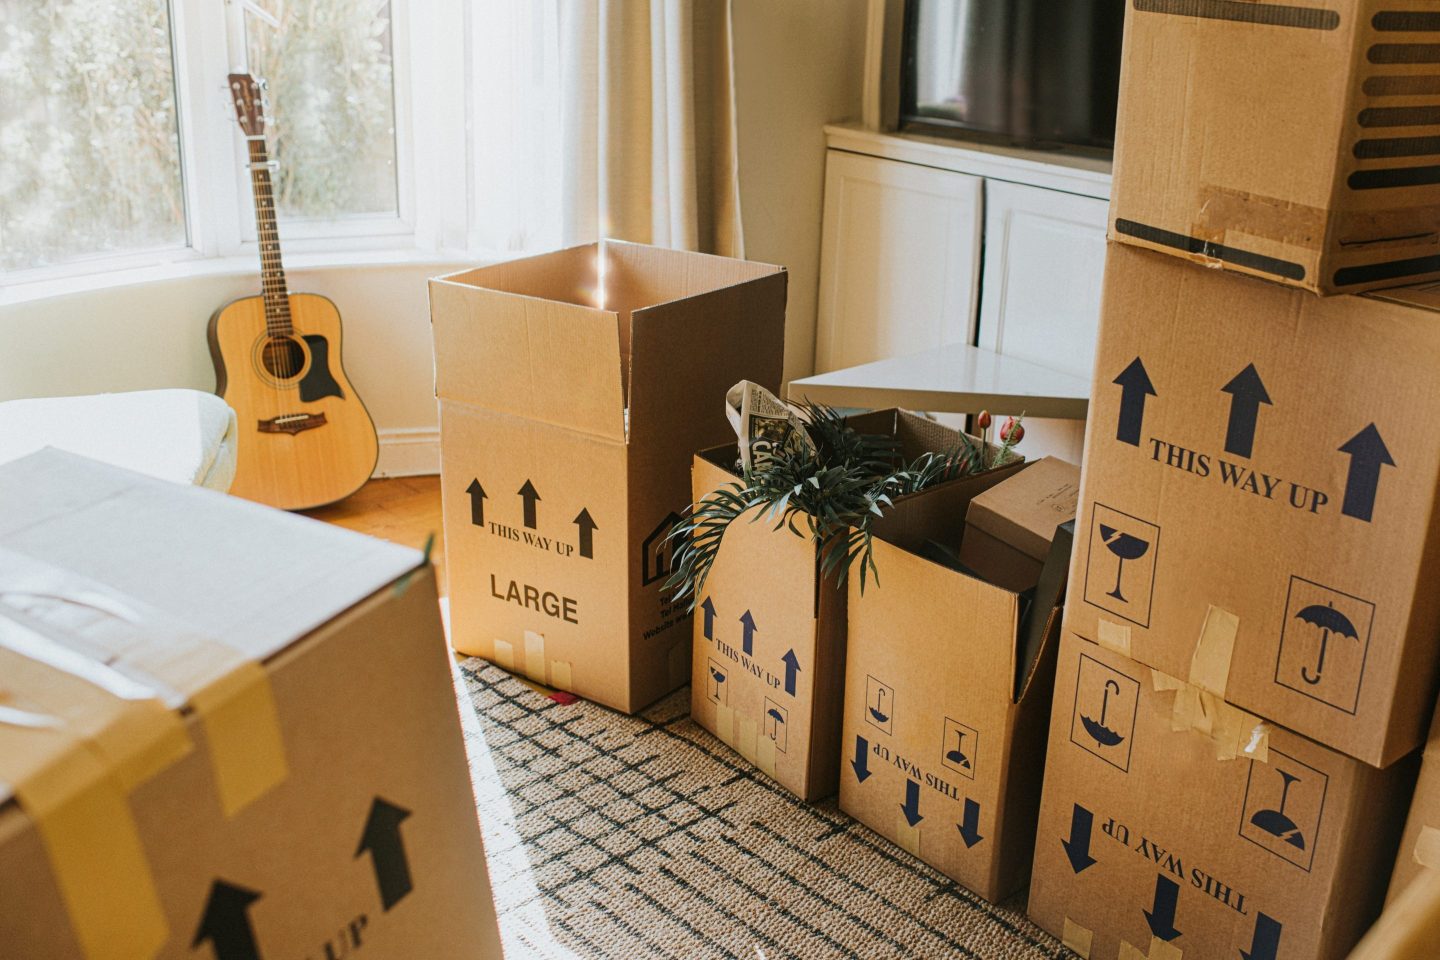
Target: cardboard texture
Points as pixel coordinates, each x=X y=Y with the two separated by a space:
x=1420 y=844
x=939 y=753
x=769 y=635
x=223 y=729
x=1409 y=928
x=574 y=388
x=1295 y=142
x=1234 y=422
x=1150 y=846
x=1008 y=527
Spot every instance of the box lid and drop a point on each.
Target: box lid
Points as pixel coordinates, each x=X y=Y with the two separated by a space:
x=1025 y=510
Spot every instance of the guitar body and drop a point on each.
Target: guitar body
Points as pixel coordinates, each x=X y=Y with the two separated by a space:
x=305 y=438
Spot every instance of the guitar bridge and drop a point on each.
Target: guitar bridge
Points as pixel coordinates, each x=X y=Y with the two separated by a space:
x=292 y=423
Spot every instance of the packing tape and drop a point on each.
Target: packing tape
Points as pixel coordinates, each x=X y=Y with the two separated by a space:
x=1113 y=636
x=765 y=755
x=505 y=655
x=1128 y=951
x=1224 y=209
x=1427 y=848
x=561 y=675
x=1163 y=950
x=1210 y=663
x=535 y=656
x=745 y=731
x=725 y=725
x=907 y=838
x=1077 y=938
x=1234 y=732
x=242 y=728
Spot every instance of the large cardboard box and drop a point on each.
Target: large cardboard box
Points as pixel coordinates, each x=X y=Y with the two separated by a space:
x=224 y=731
x=1295 y=142
x=1420 y=844
x=769 y=635
x=1151 y=845
x=574 y=389
x=1259 y=497
x=946 y=704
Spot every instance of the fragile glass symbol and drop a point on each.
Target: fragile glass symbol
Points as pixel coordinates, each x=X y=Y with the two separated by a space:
x=878 y=711
x=718 y=678
x=956 y=756
x=1102 y=734
x=1275 y=822
x=1329 y=620
x=1125 y=547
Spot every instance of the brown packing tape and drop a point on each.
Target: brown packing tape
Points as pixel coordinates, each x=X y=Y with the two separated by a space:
x=725 y=725
x=745 y=734
x=1224 y=210
x=907 y=838
x=535 y=656
x=561 y=675
x=1210 y=663
x=1077 y=938
x=1114 y=636
x=1128 y=951
x=242 y=728
x=1234 y=732
x=505 y=655
x=1164 y=950
x=1427 y=848
x=765 y=754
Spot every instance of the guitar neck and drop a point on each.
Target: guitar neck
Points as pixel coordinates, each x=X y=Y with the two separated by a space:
x=272 y=270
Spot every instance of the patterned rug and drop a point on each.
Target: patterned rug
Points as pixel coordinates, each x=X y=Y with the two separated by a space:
x=645 y=837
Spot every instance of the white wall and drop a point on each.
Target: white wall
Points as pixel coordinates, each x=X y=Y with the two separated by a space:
x=149 y=335
x=798 y=66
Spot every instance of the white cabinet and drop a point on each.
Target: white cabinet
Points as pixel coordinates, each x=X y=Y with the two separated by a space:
x=1044 y=258
x=899 y=259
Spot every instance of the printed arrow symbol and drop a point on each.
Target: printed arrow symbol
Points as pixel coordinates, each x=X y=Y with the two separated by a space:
x=792 y=667
x=1247 y=392
x=911 y=806
x=1162 y=917
x=587 y=533
x=861 y=763
x=1077 y=848
x=709 y=607
x=528 y=494
x=970 y=829
x=477 y=503
x=748 y=642
x=387 y=851
x=226 y=923
x=1266 y=942
x=1368 y=454
x=1135 y=386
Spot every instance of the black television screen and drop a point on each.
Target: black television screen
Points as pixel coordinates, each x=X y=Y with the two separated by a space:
x=1039 y=73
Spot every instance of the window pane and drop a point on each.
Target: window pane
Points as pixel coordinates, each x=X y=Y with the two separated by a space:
x=89 y=146
x=332 y=105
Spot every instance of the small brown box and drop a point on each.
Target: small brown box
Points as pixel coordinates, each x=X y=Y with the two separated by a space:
x=1008 y=528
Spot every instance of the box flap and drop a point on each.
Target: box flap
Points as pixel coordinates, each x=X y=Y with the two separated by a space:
x=252 y=578
x=528 y=338
x=1024 y=510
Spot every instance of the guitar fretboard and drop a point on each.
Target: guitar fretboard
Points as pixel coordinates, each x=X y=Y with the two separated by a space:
x=272 y=271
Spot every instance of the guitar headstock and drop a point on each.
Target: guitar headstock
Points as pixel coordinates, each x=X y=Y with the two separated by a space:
x=248 y=93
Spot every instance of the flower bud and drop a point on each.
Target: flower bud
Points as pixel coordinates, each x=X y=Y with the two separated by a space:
x=1012 y=432
x=982 y=420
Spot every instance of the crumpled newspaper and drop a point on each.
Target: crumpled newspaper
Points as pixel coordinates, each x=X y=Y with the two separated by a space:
x=763 y=423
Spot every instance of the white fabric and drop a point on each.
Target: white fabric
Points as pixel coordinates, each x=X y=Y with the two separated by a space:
x=180 y=435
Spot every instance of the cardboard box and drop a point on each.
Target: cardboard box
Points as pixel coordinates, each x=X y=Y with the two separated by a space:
x=1259 y=497
x=1008 y=527
x=224 y=729
x=946 y=706
x=1420 y=844
x=1150 y=845
x=1410 y=926
x=1295 y=141
x=574 y=389
x=769 y=662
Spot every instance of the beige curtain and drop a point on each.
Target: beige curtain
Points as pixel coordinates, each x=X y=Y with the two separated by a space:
x=648 y=124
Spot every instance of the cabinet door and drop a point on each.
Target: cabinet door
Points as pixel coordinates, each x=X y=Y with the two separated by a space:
x=1044 y=258
x=899 y=259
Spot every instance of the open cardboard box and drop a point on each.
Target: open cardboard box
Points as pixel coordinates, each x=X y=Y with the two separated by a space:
x=224 y=731
x=769 y=663
x=574 y=389
x=947 y=698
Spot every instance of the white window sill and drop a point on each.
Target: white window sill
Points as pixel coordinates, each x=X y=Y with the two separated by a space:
x=193 y=266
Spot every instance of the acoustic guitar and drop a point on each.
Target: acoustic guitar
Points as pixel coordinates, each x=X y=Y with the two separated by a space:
x=305 y=437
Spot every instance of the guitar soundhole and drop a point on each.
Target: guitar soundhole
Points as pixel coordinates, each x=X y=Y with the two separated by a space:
x=283 y=357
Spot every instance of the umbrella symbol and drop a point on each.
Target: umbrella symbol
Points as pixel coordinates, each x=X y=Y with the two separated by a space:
x=955 y=756
x=1102 y=734
x=718 y=678
x=1329 y=620
x=1275 y=822
x=776 y=719
x=1125 y=547
x=878 y=711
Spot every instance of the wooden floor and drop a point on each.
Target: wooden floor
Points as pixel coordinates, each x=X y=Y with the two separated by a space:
x=405 y=510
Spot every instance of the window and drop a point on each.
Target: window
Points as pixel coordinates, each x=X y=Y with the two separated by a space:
x=90 y=160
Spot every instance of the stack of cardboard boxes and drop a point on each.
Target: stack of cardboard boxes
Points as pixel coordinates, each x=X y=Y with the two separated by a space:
x=1248 y=660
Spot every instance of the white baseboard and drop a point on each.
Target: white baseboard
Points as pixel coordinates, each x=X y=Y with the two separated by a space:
x=408 y=452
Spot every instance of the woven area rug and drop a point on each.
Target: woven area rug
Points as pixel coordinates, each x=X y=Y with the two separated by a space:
x=644 y=837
